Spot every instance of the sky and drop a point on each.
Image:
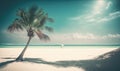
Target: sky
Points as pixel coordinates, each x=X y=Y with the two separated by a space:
x=76 y=21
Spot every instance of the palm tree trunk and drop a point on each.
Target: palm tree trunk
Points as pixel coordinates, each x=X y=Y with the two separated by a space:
x=20 y=57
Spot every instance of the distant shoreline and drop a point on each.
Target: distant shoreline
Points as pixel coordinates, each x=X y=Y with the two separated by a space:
x=66 y=45
x=61 y=46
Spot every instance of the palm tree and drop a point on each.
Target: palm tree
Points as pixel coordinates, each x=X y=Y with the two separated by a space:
x=33 y=21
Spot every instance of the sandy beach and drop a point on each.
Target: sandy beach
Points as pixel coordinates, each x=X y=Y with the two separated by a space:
x=48 y=59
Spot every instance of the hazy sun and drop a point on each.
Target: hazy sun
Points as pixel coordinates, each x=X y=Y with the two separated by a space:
x=99 y=6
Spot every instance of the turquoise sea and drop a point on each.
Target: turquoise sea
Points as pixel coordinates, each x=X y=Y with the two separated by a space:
x=61 y=46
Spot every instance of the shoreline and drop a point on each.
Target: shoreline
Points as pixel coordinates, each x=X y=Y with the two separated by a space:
x=62 y=46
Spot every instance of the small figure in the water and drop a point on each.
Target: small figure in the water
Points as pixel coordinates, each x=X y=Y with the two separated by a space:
x=62 y=45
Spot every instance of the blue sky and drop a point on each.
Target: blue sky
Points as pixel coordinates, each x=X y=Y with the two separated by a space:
x=76 y=21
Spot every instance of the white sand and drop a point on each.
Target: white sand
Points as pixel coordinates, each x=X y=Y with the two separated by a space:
x=48 y=55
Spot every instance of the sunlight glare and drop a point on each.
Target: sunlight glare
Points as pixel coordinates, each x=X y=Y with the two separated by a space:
x=99 y=6
x=35 y=20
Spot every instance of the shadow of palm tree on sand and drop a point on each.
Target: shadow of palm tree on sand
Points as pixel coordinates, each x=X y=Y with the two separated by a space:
x=107 y=62
x=4 y=64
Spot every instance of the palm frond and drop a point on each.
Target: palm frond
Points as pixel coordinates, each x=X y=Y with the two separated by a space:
x=15 y=26
x=46 y=37
x=23 y=15
x=39 y=13
x=22 y=22
x=42 y=22
x=39 y=21
x=50 y=20
x=44 y=19
x=42 y=36
x=19 y=12
x=32 y=11
x=49 y=29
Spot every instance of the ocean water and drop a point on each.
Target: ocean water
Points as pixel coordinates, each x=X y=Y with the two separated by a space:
x=61 y=46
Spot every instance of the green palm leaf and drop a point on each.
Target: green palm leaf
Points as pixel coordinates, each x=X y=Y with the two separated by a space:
x=42 y=36
x=15 y=26
x=49 y=29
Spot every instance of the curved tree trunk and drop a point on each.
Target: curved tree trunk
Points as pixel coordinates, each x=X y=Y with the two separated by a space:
x=20 y=57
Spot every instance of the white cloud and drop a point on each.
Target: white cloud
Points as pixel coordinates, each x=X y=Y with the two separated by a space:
x=96 y=16
x=113 y=36
x=77 y=38
x=82 y=36
x=96 y=19
x=111 y=16
x=117 y=13
x=93 y=37
x=70 y=38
